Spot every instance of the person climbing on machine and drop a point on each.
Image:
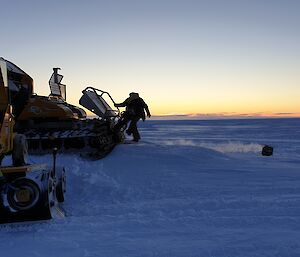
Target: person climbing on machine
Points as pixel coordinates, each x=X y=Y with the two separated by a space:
x=135 y=110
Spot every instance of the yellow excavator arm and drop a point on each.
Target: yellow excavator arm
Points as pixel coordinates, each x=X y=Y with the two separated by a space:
x=6 y=117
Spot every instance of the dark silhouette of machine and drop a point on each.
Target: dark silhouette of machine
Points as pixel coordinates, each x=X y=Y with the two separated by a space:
x=27 y=192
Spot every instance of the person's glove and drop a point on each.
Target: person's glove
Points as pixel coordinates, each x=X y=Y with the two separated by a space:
x=149 y=115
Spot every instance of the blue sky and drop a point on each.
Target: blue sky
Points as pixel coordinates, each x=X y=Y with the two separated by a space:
x=182 y=56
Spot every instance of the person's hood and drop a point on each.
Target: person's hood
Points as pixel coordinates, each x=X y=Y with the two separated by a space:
x=133 y=96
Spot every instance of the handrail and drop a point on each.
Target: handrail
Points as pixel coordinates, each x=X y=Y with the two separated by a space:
x=102 y=93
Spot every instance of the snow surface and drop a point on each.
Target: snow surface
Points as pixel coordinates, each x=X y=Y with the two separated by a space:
x=189 y=188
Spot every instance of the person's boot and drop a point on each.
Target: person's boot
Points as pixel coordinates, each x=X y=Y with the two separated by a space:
x=136 y=138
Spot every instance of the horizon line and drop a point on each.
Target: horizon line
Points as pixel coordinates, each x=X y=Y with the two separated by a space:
x=226 y=115
x=223 y=115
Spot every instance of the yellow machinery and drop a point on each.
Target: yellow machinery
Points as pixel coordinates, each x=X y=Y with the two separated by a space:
x=49 y=121
x=6 y=118
x=27 y=192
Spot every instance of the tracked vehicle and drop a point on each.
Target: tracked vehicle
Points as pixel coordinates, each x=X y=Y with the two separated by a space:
x=49 y=121
x=27 y=192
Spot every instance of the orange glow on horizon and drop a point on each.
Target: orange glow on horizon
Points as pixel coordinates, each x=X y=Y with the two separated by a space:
x=231 y=114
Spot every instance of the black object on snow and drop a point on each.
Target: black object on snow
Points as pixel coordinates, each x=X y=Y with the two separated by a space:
x=267 y=150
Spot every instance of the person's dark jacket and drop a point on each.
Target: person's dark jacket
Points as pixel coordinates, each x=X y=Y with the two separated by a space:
x=135 y=106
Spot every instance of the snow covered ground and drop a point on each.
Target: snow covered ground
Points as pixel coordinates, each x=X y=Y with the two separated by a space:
x=189 y=188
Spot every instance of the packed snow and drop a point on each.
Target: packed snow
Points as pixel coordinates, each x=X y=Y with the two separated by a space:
x=189 y=188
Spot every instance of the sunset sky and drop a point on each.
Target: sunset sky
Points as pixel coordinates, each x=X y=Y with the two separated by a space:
x=212 y=57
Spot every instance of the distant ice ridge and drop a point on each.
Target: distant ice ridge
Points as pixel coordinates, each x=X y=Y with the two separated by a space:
x=230 y=147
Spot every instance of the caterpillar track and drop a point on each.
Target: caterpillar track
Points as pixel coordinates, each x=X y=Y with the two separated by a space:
x=91 y=138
